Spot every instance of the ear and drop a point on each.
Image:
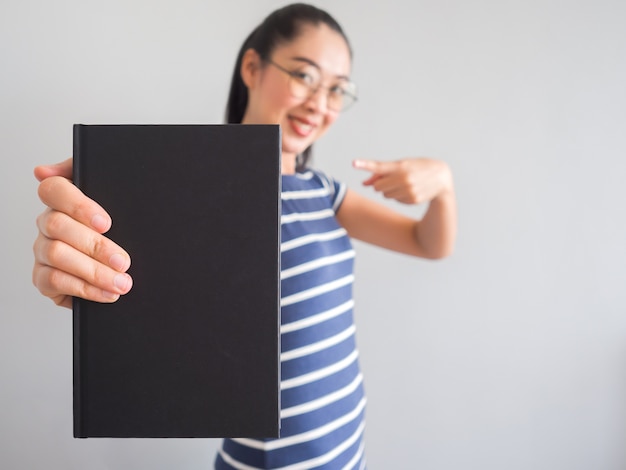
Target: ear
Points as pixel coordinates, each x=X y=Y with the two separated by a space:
x=250 y=67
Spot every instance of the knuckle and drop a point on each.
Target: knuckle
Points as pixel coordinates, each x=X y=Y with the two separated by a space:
x=39 y=221
x=404 y=165
x=82 y=290
x=52 y=224
x=54 y=251
x=54 y=281
x=51 y=283
x=59 y=300
x=97 y=246
x=36 y=245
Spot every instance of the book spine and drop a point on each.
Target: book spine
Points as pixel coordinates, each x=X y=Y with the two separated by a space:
x=279 y=178
x=78 y=376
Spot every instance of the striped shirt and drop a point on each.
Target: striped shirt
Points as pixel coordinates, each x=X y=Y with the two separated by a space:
x=322 y=397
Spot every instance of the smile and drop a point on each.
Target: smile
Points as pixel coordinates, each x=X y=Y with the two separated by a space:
x=301 y=127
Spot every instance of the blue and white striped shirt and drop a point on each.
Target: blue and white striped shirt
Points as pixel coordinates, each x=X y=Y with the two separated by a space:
x=322 y=397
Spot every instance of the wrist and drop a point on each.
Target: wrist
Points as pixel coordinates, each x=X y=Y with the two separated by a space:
x=447 y=181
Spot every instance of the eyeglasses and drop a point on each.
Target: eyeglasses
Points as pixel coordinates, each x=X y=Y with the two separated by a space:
x=305 y=81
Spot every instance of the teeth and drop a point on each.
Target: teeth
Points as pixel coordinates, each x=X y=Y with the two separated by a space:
x=302 y=126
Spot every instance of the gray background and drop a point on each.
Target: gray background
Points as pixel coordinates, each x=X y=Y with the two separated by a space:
x=510 y=354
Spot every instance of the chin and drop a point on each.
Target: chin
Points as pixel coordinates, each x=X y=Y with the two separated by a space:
x=296 y=149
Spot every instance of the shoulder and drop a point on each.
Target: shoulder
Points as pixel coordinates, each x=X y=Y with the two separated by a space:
x=336 y=189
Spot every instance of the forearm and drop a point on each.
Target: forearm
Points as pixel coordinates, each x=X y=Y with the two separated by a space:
x=410 y=181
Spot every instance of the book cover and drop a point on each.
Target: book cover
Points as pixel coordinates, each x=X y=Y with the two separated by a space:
x=193 y=350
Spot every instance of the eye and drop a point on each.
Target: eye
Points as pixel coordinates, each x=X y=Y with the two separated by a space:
x=305 y=77
x=338 y=90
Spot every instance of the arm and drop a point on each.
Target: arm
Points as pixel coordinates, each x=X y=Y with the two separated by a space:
x=410 y=181
x=72 y=256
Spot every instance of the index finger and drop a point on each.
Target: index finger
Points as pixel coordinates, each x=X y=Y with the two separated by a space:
x=60 y=194
x=374 y=166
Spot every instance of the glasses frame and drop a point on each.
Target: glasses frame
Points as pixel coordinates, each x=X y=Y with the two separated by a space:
x=312 y=90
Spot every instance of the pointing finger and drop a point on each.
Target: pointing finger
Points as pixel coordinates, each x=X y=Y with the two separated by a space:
x=374 y=166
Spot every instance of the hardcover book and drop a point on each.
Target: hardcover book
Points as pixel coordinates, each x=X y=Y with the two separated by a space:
x=193 y=349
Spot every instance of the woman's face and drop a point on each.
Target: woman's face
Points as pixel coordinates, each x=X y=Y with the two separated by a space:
x=318 y=51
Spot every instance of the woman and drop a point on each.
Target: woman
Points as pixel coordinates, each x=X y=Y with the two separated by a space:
x=293 y=70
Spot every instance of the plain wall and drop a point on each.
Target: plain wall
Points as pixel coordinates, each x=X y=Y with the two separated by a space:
x=509 y=354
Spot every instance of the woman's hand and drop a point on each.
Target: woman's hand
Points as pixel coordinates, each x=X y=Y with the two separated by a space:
x=410 y=181
x=72 y=257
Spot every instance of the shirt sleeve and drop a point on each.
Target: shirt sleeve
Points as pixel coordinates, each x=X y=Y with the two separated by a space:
x=337 y=190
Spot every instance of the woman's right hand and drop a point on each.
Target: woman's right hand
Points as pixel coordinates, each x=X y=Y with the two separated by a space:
x=72 y=256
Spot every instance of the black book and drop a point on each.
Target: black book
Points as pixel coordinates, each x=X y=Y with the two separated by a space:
x=193 y=350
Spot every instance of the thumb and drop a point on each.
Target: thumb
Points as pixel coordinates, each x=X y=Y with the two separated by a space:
x=374 y=166
x=63 y=169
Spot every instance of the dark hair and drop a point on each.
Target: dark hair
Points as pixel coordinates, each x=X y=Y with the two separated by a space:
x=281 y=26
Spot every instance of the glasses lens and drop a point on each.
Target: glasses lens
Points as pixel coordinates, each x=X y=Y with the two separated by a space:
x=304 y=81
x=337 y=100
x=348 y=96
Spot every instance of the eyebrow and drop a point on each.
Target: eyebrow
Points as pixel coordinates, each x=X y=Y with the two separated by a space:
x=314 y=64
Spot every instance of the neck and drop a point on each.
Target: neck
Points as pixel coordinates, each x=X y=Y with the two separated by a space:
x=287 y=163
x=287 y=160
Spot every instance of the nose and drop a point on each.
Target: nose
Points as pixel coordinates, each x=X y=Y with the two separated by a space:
x=318 y=100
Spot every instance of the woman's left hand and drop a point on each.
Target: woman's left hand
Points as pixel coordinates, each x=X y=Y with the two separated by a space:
x=410 y=181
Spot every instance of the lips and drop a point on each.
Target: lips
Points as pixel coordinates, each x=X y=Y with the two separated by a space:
x=302 y=127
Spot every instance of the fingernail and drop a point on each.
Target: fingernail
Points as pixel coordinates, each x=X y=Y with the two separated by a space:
x=110 y=295
x=123 y=282
x=100 y=223
x=118 y=262
x=357 y=163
